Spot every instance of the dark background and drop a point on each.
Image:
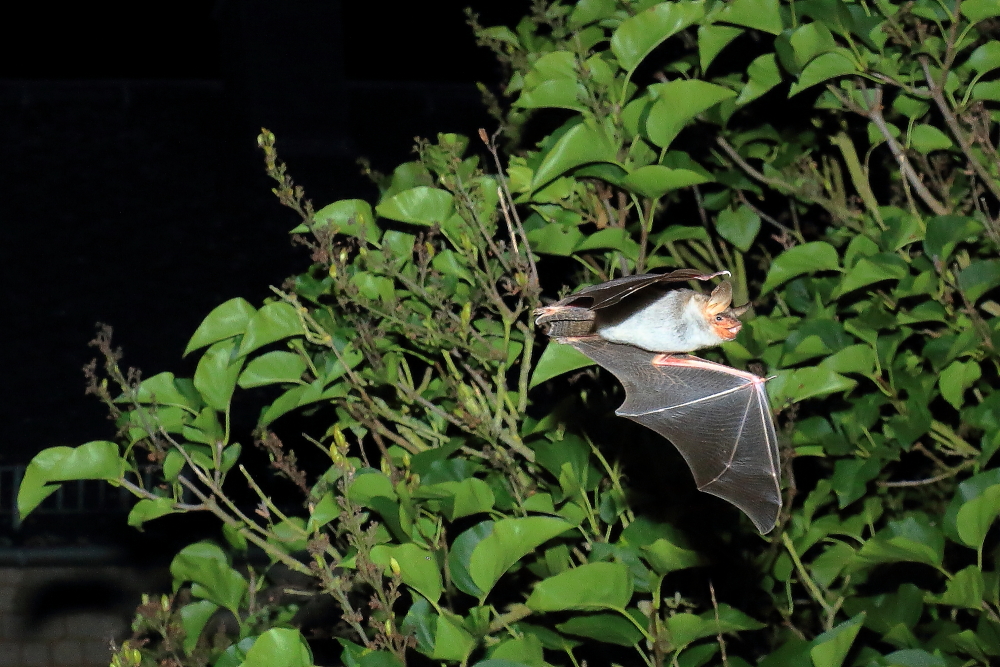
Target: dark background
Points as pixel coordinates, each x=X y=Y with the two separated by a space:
x=131 y=188
x=132 y=191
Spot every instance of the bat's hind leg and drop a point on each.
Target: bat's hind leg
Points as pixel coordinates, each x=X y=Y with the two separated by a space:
x=668 y=359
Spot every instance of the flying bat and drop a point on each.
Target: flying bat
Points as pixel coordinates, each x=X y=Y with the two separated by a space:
x=718 y=417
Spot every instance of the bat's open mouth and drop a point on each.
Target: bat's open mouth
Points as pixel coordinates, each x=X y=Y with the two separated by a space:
x=733 y=330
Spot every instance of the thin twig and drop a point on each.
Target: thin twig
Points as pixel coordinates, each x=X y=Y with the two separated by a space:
x=765 y=217
x=718 y=625
x=952 y=122
x=783 y=186
x=874 y=114
x=492 y=147
x=930 y=480
x=808 y=582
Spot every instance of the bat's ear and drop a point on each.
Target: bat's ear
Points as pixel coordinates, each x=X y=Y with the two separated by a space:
x=721 y=297
x=741 y=310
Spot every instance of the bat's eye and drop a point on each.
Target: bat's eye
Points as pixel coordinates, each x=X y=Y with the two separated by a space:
x=718 y=318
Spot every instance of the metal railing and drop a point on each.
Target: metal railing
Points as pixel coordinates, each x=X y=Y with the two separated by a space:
x=83 y=496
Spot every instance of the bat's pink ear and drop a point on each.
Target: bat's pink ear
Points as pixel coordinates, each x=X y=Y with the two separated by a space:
x=721 y=297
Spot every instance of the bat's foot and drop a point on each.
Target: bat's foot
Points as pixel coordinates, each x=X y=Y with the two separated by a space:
x=664 y=359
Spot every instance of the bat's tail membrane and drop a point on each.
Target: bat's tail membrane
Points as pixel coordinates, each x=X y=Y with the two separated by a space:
x=565 y=321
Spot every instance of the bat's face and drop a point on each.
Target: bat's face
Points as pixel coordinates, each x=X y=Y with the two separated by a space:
x=723 y=320
x=726 y=325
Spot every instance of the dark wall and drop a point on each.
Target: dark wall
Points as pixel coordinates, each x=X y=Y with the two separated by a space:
x=131 y=190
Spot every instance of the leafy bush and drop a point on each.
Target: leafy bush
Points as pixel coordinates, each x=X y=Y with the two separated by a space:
x=477 y=504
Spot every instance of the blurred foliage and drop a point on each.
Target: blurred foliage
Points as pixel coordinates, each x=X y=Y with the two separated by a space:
x=838 y=157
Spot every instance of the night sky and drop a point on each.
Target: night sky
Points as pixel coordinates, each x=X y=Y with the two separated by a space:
x=131 y=189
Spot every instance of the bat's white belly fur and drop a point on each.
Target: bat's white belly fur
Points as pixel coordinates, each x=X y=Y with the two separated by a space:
x=675 y=323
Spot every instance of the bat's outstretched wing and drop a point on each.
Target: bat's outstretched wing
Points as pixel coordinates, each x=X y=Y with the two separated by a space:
x=717 y=417
x=611 y=292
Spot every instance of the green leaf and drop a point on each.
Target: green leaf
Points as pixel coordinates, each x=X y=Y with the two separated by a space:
x=207 y=567
x=421 y=205
x=686 y=628
x=739 y=227
x=870 y=270
x=712 y=39
x=801 y=259
x=236 y=653
x=792 y=386
x=271 y=368
x=289 y=535
x=664 y=556
x=460 y=498
x=822 y=68
x=368 y=485
x=655 y=180
x=460 y=556
x=763 y=15
x=608 y=628
x=965 y=589
x=553 y=82
x=452 y=642
x=163 y=389
x=967 y=490
x=359 y=656
x=806 y=42
x=273 y=322
x=216 y=374
x=927 y=138
x=830 y=648
x=910 y=107
x=762 y=75
x=637 y=36
x=299 y=396
x=678 y=102
x=858 y=359
x=450 y=263
x=556 y=360
x=613 y=238
x=194 y=616
x=909 y=540
x=323 y=512
x=956 y=379
x=350 y=217
x=851 y=477
x=588 y=587
x=526 y=650
x=944 y=232
x=279 y=647
x=914 y=657
x=554 y=239
x=977 y=515
x=98 y=459
x=225 y=321
x=582 y=144
x=589 y=11
x=148 y=509
x=508 y=542
x=418 y=567
x=979 y=278
x=987 y=90
x=977 y=10
x=731 y=620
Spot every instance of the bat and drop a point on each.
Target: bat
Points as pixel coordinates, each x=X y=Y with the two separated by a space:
x=718 y=417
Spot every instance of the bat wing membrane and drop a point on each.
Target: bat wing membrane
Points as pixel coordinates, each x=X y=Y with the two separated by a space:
x=717 y=417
